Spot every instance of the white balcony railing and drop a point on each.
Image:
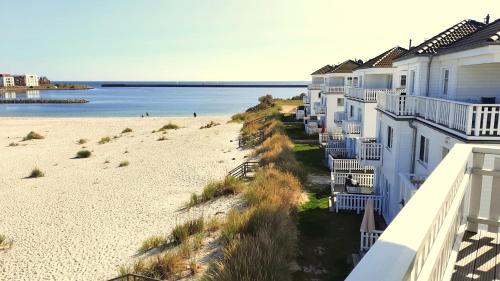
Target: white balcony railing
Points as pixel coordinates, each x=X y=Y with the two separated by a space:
x=369 y=152
x=471 y=121
x=311 y=128
x=349 y=166
x=339 y=116
x=409 y=184
x=306 y=99
x=369 y=95
x=357 y=202
x=334 y=89
x=423 y=240
x=338 y=152
x=299 y=115
x=314 y=86
x=351 y=127
x=364 y=180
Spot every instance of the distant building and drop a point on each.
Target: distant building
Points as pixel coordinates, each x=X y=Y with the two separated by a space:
x=43 y=80
x=28 y=80
x=6 y=80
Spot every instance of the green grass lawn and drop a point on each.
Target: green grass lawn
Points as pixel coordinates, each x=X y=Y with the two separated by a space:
x=311 y=156
x=326 y=240
x=295 y=130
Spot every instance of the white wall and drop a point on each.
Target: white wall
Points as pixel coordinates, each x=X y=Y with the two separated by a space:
x=377 y=81
x=332 y=106
x=481 y=80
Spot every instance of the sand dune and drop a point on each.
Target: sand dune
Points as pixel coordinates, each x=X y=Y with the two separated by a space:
x=86 y=217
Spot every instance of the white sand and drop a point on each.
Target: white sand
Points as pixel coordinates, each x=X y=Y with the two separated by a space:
x=85 y=218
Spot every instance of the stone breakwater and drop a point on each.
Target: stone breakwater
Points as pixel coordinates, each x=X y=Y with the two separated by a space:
x=15 y=101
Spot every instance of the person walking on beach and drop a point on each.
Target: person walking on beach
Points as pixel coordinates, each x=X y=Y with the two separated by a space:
x=194 y=114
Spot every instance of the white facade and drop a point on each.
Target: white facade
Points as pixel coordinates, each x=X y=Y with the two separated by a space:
x=6 y=81
x=444 y=107
x=31 y=80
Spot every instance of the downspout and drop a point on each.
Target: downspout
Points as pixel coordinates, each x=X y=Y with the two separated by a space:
x=428 y=75
x=413 y=146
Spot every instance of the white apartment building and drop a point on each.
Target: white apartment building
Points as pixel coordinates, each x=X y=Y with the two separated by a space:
x=312 y=100
x=31 y=80
x=438 y=169
x=6 y=80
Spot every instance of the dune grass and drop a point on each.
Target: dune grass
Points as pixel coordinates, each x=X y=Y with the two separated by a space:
x=36 y=173
x=82 y=141
x=181 y=232
x=169 y=126
x=13 y=144
x=210 y=125
x=33 y=136
x=152 y=242
x=104 y=140
x=83 y=154
x=228 y=186
x=124 y=164
x=162 y=138
x=126 y=130
x=5 y=242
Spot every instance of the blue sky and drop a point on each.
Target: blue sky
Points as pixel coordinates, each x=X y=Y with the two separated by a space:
x=212 y=39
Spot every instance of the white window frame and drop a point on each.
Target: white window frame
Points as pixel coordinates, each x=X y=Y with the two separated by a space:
x=423 y=156
x=413 y=75
x=445 y=81
x=390 y=138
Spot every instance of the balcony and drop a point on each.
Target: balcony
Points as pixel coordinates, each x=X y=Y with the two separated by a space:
x=449 y=229
x=369 y=95
x=369 y=152
x=365 y=183
x=348 y=166
x=312 y=128
x=314 y=86
x=300 y=114
x=351 y=127
x=339 y=116
x=334 y=89
x=409 y=184
x=319 y=108
x=466 y=120
x=306 y=99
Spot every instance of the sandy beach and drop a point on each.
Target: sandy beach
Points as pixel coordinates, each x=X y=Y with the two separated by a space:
x=86 y=217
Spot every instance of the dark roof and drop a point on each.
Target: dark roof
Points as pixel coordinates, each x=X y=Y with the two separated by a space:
x=325 y=69
x=487 y=35
x=444 y=39
x=385 y=59
x=346 y=67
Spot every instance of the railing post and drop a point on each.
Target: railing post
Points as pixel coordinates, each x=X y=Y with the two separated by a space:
x=475 y=190
x=468 y=120
x=451 y=118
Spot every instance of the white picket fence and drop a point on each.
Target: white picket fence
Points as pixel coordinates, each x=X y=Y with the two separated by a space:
x=351 y=127
x=336 y=152
x=368 y=239
x=370 y=151
x=357 y=202
x=349 y=165
x=364 y=180
x=370 y=95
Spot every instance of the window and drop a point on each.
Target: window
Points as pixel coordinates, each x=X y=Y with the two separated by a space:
x=349 y=81
x=360 y=81
x=351 y=111
x=340 y=101
x=446 y=76
x=412 y=82
x=355 y=82
x=402 y=82
x=319 y=95
x=424 y=149
x=390 y=136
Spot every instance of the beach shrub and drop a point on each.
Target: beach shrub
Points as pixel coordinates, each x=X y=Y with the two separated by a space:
x=83 y=154
x=82 y=141
x=126 y=130
x=238 y=117
x=124 y=164
x=169 y=126
x=182 y=231
x=154 y=241
x=36 y=173
x=5 y=242
x=228 y=186
x=210 y=125
x=162 y=138
x=104 y=140
x=33 y=136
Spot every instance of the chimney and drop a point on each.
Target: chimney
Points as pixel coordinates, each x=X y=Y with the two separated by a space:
x=409 y=45
x=487 y=19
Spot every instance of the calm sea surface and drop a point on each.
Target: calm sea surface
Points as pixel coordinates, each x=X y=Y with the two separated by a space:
x=136 y=101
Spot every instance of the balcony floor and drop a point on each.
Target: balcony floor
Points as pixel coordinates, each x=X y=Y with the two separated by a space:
x=479 y=257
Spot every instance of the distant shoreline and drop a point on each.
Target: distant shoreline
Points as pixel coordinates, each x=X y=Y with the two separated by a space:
x=55 y=86
x=192 y=85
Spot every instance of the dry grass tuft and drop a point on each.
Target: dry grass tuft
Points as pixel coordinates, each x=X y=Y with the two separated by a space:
x=82 y=141
x=33 y=136
x=13 y=144
x=228 y=186
x=126 y=130
x=152 y=242
x=104 y=140
x=210 y=125
x=5 y=243
x=36 y=173
x=169 y=126
x=124 y=164
x=162 y=138
x=181 y=232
